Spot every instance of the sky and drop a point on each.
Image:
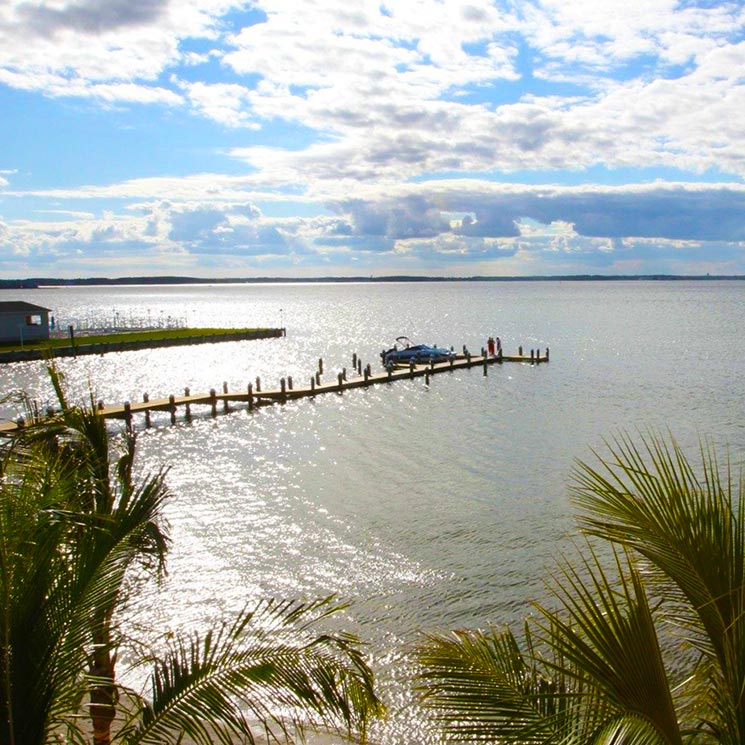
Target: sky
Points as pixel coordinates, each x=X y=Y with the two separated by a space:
x=313 y=138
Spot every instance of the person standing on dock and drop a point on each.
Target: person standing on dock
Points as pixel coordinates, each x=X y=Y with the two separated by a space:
x=490 y=346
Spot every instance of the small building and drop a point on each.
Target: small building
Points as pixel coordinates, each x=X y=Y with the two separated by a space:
x=23 y=322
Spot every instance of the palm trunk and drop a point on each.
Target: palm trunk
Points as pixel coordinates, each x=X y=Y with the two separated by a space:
x=104 y=694
x=104 y=697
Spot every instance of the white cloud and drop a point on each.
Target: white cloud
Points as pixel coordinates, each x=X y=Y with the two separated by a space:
x=222 y=102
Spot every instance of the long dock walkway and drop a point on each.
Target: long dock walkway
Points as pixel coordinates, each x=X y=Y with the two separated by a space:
x=255 y=396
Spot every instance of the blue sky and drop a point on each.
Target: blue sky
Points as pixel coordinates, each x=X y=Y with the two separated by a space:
x=220 y=138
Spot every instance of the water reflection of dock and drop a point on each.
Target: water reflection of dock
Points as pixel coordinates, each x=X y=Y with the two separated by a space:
x=255 y=395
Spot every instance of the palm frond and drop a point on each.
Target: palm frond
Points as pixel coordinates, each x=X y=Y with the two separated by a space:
x=606 y=631
x=480 y=686
x=629 y=730
x=690 y=528
x=261 y=672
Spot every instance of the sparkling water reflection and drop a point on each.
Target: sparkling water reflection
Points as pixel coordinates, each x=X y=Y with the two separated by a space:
x=429 y=507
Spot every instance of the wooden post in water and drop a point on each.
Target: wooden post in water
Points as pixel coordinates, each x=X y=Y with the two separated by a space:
x=411 y=368
x=289 y=382
x=340 y=381
x=172 y=406
x=213 y=401
x=258 y=384
x=546 y=354
x=354 y=360
x=359 y=366
x=318 y=378
x=320 y=365
x=312 y=384
x=146 y=399
x=187 y=393
x=225 y=406
x=426 y=377
x=283 y=386
x=344 y=373
x=128 y=414
x=250 y=391
x=520 y=351
x=367 y=373
x=485 y=366
x=531 y=357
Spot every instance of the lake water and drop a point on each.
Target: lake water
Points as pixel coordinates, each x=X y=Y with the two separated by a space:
x=429 y=507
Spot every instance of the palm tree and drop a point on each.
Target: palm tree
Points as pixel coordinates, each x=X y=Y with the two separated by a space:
x=118 y=524
x=651 y=650
x=76 y=531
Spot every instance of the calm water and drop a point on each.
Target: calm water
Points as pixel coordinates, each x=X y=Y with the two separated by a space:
x=429 y=507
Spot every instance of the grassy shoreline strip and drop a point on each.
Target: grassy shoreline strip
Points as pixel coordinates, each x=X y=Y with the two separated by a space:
x=126 y=341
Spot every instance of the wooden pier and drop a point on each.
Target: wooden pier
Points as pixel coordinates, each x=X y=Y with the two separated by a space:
x=254 y=395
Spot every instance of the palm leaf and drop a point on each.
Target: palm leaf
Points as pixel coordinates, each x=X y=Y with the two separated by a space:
x=480 y=686
x=259 y=669
x=689 y=527
x=605 y=635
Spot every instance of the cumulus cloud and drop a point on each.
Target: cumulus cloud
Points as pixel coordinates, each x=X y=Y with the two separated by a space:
x=389 y=127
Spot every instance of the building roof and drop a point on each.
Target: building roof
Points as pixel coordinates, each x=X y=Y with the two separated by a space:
x=20 y=306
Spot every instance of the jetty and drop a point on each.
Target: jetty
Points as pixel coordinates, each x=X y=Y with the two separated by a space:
x=255 y=395
x=131 y=340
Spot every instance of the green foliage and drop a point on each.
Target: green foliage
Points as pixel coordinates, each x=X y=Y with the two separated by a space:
x=78 y=534
x=651 y=650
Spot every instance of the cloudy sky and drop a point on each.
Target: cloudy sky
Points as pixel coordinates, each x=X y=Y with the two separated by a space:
x=220 y=138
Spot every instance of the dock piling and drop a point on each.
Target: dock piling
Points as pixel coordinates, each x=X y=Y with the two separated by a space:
x=354 y=360
x=255 y=397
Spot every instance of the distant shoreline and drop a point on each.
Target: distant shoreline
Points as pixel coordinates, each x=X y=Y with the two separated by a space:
x=35 y=283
